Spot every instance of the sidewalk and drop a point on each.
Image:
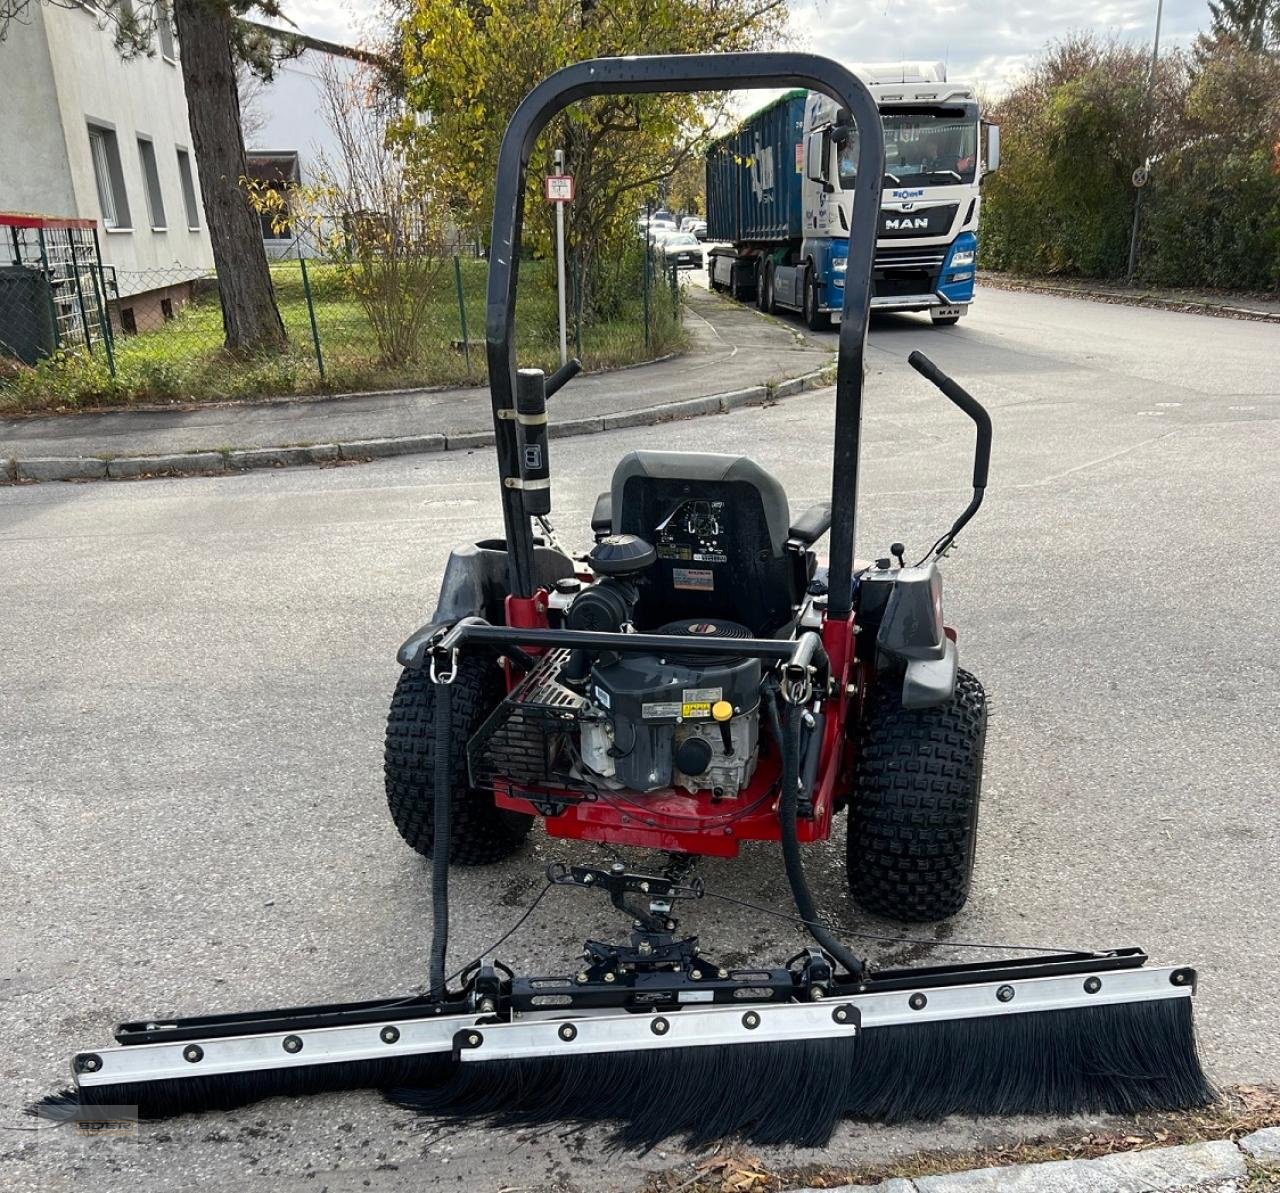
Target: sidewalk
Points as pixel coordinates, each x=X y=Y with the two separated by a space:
x=732 y=349
x=1222 y=303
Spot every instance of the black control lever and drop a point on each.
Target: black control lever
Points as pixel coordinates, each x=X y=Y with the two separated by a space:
x=564 y=374
x=982 y=447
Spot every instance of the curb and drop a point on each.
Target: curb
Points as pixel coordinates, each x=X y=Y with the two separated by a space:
x=1137 y=298
x=1220 y=1164
x=212 y=463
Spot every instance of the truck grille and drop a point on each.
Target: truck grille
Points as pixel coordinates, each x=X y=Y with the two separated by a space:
x=907 y=272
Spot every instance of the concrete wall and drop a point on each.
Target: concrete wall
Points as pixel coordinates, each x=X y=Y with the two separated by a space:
x=142 y=96
x=35 y=175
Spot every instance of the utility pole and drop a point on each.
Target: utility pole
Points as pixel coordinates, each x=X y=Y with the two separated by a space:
x=1142 y=174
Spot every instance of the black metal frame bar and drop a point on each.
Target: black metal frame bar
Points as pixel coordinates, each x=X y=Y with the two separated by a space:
x=797 y=652
x=686 y=73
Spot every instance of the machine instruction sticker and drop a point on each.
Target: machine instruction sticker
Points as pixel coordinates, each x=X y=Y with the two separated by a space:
x=702 y=695
x=695 y=709
x=657 y=711
x=693 y=579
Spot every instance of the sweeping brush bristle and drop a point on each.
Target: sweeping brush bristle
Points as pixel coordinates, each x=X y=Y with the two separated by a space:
x=170 y=1097
x=1117 y=1059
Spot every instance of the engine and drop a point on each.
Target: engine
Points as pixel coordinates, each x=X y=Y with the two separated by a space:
x=675 y=720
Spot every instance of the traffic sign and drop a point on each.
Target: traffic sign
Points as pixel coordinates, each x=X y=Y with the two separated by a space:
x=1140 y=176
x=559 y=188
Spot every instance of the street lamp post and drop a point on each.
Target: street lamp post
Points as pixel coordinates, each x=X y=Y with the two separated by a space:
x=1143 y=170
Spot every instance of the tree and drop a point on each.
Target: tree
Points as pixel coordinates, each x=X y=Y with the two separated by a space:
x=466 y=66
x=1249 y=24
x=213 y=36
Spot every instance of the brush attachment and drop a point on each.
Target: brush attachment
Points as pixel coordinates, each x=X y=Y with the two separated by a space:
x=1116 y=1058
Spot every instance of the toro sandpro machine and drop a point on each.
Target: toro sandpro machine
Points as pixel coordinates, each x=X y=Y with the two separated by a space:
x=694 y=681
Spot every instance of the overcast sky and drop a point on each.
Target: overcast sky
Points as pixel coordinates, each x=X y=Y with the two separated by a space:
x=986 y=43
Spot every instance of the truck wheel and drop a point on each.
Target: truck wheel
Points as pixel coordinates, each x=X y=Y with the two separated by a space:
x=480 y=831
x=815 y=320
x=913 y=817
x=764 y=290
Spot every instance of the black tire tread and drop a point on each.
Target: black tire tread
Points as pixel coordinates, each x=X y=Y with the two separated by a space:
x=480 y=832
x=914 y=811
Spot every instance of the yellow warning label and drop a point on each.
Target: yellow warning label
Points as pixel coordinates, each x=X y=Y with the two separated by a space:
x=701 y=708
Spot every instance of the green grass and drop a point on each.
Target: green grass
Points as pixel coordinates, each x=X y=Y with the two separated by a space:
x=183 y=360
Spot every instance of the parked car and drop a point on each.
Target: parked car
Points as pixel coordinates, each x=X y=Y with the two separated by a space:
x=682 y=250
x=698 y=228
x=686 y=224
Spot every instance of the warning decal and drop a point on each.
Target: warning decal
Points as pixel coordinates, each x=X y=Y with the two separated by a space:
x=693 y=579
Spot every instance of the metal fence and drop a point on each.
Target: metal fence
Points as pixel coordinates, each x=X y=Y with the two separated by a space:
x=349 y=326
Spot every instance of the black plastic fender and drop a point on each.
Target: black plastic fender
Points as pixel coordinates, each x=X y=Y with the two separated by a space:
x=475 y=585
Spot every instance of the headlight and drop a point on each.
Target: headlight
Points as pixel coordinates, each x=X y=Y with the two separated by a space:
x=964 y=257
x=839 y=264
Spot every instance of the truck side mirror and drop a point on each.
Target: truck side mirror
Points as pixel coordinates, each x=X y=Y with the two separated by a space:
x=817 y=156
x=992 y=162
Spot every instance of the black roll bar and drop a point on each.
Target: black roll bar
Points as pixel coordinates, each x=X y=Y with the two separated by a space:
x=686 y=73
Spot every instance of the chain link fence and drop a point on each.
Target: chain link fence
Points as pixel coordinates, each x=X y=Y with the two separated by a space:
x=158 y=334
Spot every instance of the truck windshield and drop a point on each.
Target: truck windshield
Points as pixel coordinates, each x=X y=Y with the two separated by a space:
x=920 y=149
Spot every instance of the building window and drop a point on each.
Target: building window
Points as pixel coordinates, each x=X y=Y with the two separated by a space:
x=188 y=190
x=151 y=179
x=112 y=199
x=128 y=322
x=164 y=30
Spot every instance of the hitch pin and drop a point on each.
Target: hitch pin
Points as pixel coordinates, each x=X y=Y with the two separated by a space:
x=438 y=676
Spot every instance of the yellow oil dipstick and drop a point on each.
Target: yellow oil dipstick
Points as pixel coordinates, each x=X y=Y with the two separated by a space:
x=722 y=710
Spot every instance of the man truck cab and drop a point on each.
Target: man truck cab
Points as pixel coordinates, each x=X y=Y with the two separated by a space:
x=780 y=190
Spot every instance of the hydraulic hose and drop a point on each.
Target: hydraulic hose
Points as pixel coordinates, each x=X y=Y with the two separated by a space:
x=442 y=757
x=788 y=811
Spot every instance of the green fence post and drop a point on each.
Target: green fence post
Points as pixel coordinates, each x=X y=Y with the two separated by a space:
x=646 y=296
x=311 y=312
x=462 y=312
x=577 y=312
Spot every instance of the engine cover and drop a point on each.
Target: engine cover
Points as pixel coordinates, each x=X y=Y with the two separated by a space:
x=652 y=704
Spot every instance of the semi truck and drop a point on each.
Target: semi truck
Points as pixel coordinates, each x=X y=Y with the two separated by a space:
x=780 y=194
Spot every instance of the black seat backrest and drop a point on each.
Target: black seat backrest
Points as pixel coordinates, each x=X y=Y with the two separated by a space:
x=719 y=524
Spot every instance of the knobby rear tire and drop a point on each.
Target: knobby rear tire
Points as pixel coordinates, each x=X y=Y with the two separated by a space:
x=913 y=818
x=480 y=831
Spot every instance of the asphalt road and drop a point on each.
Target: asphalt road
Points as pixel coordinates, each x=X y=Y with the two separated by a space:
x=195 y=675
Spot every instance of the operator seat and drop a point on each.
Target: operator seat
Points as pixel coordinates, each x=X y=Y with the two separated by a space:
x=721 y=528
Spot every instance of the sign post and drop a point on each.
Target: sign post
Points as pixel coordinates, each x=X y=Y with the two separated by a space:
x=560 y=192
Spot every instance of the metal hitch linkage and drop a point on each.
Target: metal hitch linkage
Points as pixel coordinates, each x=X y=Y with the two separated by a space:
x=469 y=1037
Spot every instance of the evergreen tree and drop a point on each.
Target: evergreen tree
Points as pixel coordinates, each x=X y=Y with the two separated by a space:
x=1249 y=24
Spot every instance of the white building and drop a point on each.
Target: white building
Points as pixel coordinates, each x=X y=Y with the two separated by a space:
x=289 y=132
x=84 y=133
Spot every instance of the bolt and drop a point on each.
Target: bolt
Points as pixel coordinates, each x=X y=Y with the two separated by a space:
x=722 y=973
x=193 y=1053
x=817 y=993
x=292 y=1044
x=659 y=1026
x=1005 y=994
x=617 y=868
x=89 y=1063
x=474 y=1039
x=644 y=887
x=1092 y=985
x=610 y=977
x=840 y=1014
x=582 y=977
x=390 y=1034
x=917 y=1002
x=586 y=878
x=751 y=1020
x=568 y=1032
x=486 y=1005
